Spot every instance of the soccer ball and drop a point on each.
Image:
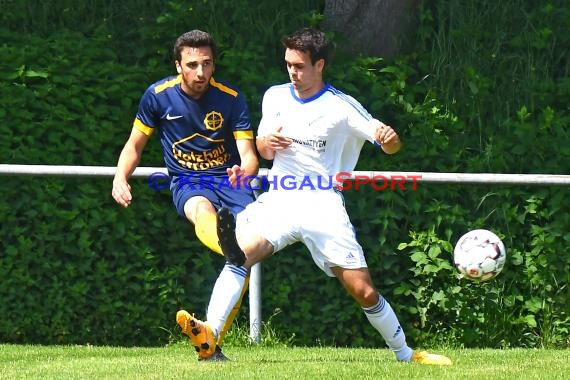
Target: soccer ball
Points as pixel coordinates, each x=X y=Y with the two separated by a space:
x=479 y=255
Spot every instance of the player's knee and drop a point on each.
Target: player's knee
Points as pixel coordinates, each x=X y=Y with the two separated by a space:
x=255 y=248
x=197 y=208
x=367 y=297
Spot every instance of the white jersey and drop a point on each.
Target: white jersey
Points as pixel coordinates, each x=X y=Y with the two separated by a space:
x=324 y=143
x=328 y=131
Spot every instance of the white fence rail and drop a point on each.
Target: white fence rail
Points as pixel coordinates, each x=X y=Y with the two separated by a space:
x=428 y=177
x=255 y=278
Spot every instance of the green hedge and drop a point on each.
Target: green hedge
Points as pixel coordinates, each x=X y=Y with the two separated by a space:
x=76 y=268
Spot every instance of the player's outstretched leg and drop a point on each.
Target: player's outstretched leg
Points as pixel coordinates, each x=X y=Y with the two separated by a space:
x=227 y=237
x=424 y=357
x=201 y=335
x=383 y=318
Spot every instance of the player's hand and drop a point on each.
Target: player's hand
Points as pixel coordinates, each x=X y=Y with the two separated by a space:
x=122 y=192
x=277 y=141
x=388 y=138
x=235 y=174
x=385 y=134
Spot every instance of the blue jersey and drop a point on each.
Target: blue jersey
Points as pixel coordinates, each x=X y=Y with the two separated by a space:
x=198 y=136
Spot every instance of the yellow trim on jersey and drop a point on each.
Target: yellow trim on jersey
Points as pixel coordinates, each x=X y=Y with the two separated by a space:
x=198 y=134
x=143 y=128
x=170 y=83
x=243 y=135
x=223 y=88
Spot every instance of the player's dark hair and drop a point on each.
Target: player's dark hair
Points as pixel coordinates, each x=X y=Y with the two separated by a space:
x=308 y=40
x=194 y=38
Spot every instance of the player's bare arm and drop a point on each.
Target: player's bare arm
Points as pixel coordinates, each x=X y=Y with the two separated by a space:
x=387 y=138
x=271 y=143
x=249 y=162
x=128 y=161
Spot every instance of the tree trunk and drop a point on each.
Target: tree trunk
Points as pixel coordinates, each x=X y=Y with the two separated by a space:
x=373 y=27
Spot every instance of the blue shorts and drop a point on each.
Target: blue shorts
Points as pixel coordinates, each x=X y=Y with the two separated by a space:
x=216 y=189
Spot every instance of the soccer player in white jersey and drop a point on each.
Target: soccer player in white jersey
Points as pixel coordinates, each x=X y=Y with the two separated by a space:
x=310 y=130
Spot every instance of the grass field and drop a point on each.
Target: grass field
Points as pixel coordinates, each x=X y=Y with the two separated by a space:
x=179 y=362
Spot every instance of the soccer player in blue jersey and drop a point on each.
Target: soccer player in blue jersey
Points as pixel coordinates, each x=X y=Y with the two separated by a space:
x=204 y=129
x=295 y=116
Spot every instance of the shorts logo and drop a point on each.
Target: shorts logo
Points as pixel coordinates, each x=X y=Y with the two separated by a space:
x=350 y=258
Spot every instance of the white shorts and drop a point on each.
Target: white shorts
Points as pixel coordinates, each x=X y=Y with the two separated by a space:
x=316 y=218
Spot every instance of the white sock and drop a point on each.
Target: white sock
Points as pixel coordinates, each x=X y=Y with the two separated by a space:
x=225 y=294
x=383 y=318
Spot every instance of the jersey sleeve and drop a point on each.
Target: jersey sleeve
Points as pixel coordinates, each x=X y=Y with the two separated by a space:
x=269 y=115
x=147 y=118
x=242 y=126
x=360 y=122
